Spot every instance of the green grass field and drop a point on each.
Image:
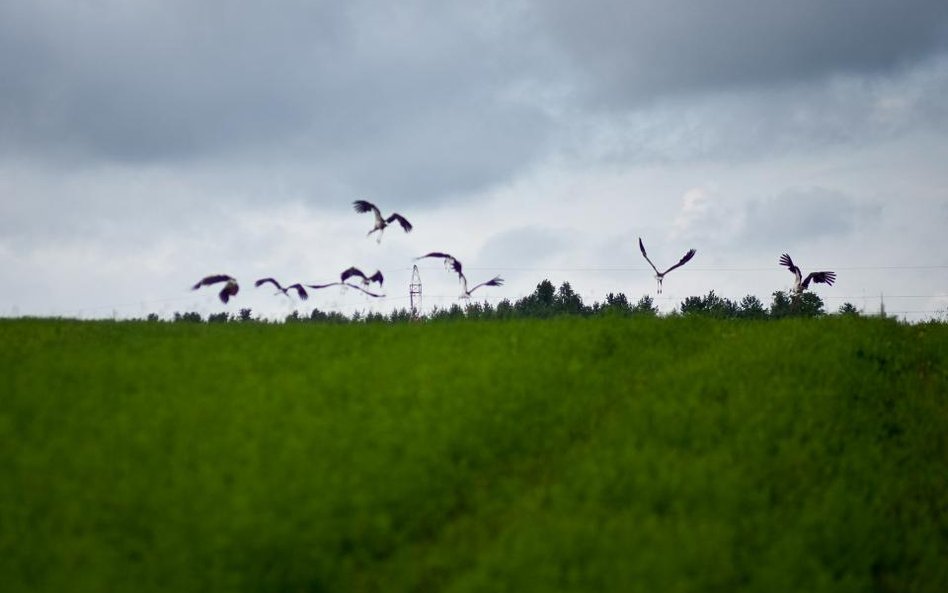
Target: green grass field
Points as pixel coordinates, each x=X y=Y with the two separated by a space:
x=653 y=455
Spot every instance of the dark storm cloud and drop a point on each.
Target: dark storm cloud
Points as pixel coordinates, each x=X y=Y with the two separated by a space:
x=412 y=99
x=626 y=51
x=144 y=81
x=424 y=100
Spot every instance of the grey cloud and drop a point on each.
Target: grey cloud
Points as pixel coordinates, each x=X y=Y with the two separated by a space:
x=523 y=247
x=627 y=52
x=384 y=97
x=761 y=123
x=799 y=215
x=424 y=100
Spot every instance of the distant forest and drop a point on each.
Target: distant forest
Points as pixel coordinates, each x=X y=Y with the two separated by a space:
x=548 y=301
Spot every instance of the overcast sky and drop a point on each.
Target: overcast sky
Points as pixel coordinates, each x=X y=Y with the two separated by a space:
x=145 y=144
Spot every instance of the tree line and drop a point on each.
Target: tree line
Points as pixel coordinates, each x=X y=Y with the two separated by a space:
x=547 y=301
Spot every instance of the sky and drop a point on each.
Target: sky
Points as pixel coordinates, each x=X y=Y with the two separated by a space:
x=145 y=144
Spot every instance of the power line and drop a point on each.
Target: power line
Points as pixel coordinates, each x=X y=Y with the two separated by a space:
x=687 y=269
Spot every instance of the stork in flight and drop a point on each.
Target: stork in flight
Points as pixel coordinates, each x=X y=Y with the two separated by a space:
x=466 y=294
x=800 y=283
x=300 y=291
x=449 y=260
x=362 y=206
x=230 y=288
x=659 y=276
x=366 y=280
x=345 y=285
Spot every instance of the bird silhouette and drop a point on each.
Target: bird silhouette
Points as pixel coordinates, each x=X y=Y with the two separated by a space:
x=300 y=291
x=466 y=294
x=231 y=288
x=362 y=206
x=449 y=260
x=345 y=285
x=659 y=276
x=366 y=280
x=800 y=283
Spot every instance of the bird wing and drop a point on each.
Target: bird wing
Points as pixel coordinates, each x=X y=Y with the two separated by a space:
x=436 y=254
x=362 y=206
x=263 y=281
x=377 y=277
x=209 y=280
x=786 y=261
x=495 y=281
x=645 y=255
x=684 y=259
x=401 y=220
x=230 y=289
x=820 y=278
x=349 y=273
x=318 y=286
x=456 y=265
x=300 y=291
x=371 y=294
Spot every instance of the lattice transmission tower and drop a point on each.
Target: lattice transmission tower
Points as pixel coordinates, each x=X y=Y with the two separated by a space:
x=414 y=293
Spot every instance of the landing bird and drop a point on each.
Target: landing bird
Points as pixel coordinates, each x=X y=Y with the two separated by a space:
x=366 y=280
x=300 y=291
x=361 y=206
x=345 y=284
x=230 y=289
x=466 y=294
x=659 y=276
x=449 y=260
x=800 y=283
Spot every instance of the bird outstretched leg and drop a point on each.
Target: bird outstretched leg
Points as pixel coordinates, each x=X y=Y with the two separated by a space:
x=659 y=279
x=379 y=238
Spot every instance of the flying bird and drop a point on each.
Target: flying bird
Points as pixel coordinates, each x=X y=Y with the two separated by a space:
x=449 y=260
x=300 y=291
x=347 y=285
x=230 y=288
x=362 y=206
x=466 y=294
x=366 y=280
x=800 y=283
x=659 y=276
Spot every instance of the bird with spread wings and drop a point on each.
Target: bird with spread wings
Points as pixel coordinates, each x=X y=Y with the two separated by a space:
x=300 y=291
x=362 y=206
x=800 y=283
x=659 y=276
x=231 y=288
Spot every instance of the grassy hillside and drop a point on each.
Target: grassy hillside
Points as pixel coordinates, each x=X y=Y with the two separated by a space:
x=609 y=455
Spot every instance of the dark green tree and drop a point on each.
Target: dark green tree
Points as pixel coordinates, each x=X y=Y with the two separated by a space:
x=504 y=310
x=190 y=317
x=808 y=304
x=848 y=309
x=710 y=304
x=645 y=307
x=751 y=308
x=538 y=304
x=567 y=302
x=217 y=317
